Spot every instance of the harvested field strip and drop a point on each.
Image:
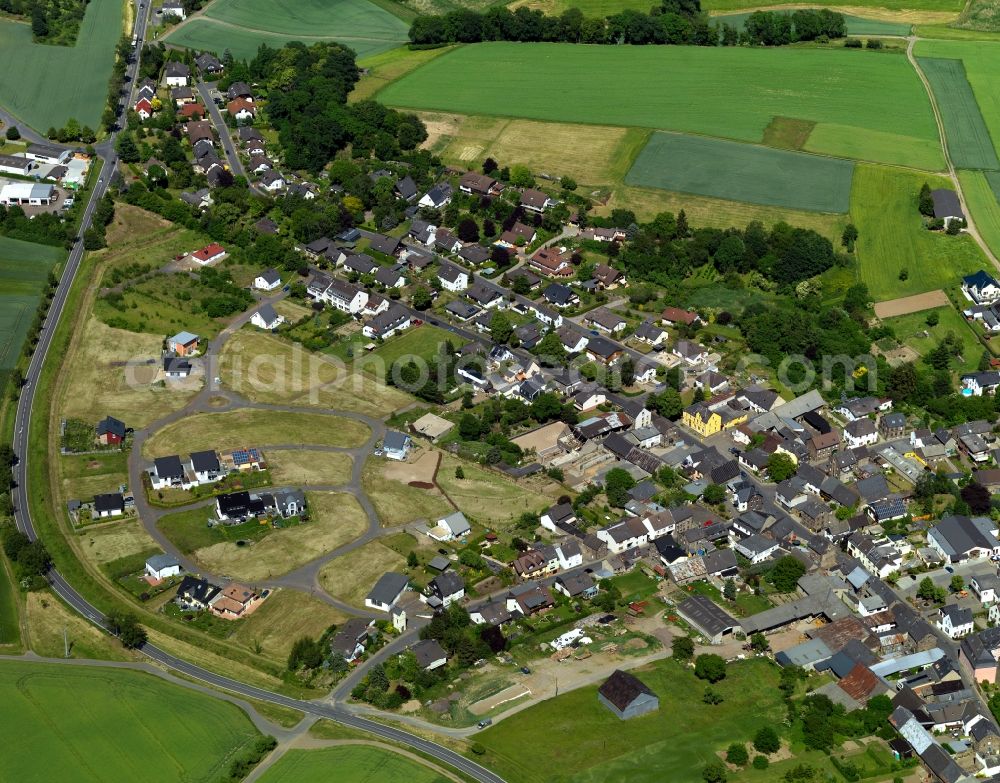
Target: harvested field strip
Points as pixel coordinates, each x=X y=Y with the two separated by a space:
x=969 y=142
x=911 y=304
x=687 y=89
x=743 y=172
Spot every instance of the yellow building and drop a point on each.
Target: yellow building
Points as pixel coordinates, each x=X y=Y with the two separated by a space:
x=708 y=421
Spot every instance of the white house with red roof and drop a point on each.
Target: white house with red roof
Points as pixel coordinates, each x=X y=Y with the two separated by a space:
x=209 y=254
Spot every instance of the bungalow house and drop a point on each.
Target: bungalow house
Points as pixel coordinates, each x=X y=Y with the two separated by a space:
x=110 y=431
x=267 y=318
x=711 y=380
x=267 y=280
x=109 y=505
x=350 y=639
x=475 y=254
x=192 y=109
x=981 y=288
x=386 y=324
x=234 y=601
x=485 y=297
x=672 y=316
x=162 y=567
x=387 y=591
x=183 y=344
x=209 y=254
x=947 y=206
x=517 y=235
x=600 y=349
x=650 y=333
x=396 y=445
x=430 y=654
x=241 y=109
x=437 y=197
x=608 y=277
x=627 y=696
x=175 y=367
x=597 y=234
x=536 y=201
x=578 y=584
x=559 y=295
x=271 y=181
x=176 y=74
x=605 y=320
x=479 y=184
x=690 y=352
x=452 y=277
x=552 y=262
x=449 y=528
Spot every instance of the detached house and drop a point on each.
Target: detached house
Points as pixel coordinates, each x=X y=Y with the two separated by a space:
x=955 y=621
x=605 y=320
x=110 y=431
x=387 y=591
x=267 y=318
x=551 y=261
x=860 y=432
x=479 y=184
x=452 y=277
x=386 y=324
x=267 y=280
x=176 y=74
x=981 y=288
x=536 y=201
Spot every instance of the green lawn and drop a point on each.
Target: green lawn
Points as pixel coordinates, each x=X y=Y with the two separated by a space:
x=242 y=25
x=92 y=725
x=421 y=341
x=189 y=529
x=982 y=63
x=913 y=331
x=46 y=85
x=969 y=142
x=348 y=764
x=583 y=742
x=691 y=89
x=635 y=585
x=743 y=172
x=892 y=237
x=24 y=267
x=856 y=25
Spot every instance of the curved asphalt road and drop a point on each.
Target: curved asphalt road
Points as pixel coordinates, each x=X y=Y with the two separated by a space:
x=22 y=517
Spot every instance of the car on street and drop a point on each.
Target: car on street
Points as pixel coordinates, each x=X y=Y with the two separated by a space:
x=485 y=722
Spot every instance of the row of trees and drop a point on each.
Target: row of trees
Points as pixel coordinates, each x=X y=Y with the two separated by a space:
x=672 y=22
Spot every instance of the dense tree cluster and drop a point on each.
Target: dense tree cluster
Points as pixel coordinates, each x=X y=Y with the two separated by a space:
x=668 y=249
x=126 y=627
x=52 y=21
x=307 y=89
x=30 y=558
x=677 y=22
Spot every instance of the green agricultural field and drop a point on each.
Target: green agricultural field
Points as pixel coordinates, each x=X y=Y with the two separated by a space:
x=691 y=89
x=856 y=25
x=46 y=85
x=591 y=9
x=24 y=267
x=743 y=172
x=981 y=199
x=941 y=7
x=583 y=741
x=892 y=237
x=969 y=142
x=242 y=25
x=353 y=764
x=90 y=725
x=982 y=64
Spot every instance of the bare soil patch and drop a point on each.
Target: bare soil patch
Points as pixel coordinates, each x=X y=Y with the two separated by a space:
x=911 y=304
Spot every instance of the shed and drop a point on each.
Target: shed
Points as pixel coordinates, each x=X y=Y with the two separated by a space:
x=627 y=696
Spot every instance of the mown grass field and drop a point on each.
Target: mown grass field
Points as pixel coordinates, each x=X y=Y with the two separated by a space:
x=10 y=629
x=487 y=497
x=892 y=237
x=242 y=25
x=856 y=25
x=743 y=172
x=249 y=427
x=981 y=200
x=690 y=89
x=353 y=764
x=591 y=154
x=584 y=742
x=299 y=467
x=91 y=724
x=969 y=143
x=46 y=85
x=950 y=7
x=982 y=63
x=352 y=576
x=397 y=503
x=386 y=67
x=24 y=267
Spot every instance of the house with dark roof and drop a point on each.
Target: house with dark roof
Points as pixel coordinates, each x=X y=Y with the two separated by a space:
x=960 y=538
x=947 y=206
x=708 y=619
x=981 y=288
x=430 y=654
x=627 y=696
x=195 y=593
x=109 y=505
x=350 y=639
x=110 y=431
x=387 y=590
